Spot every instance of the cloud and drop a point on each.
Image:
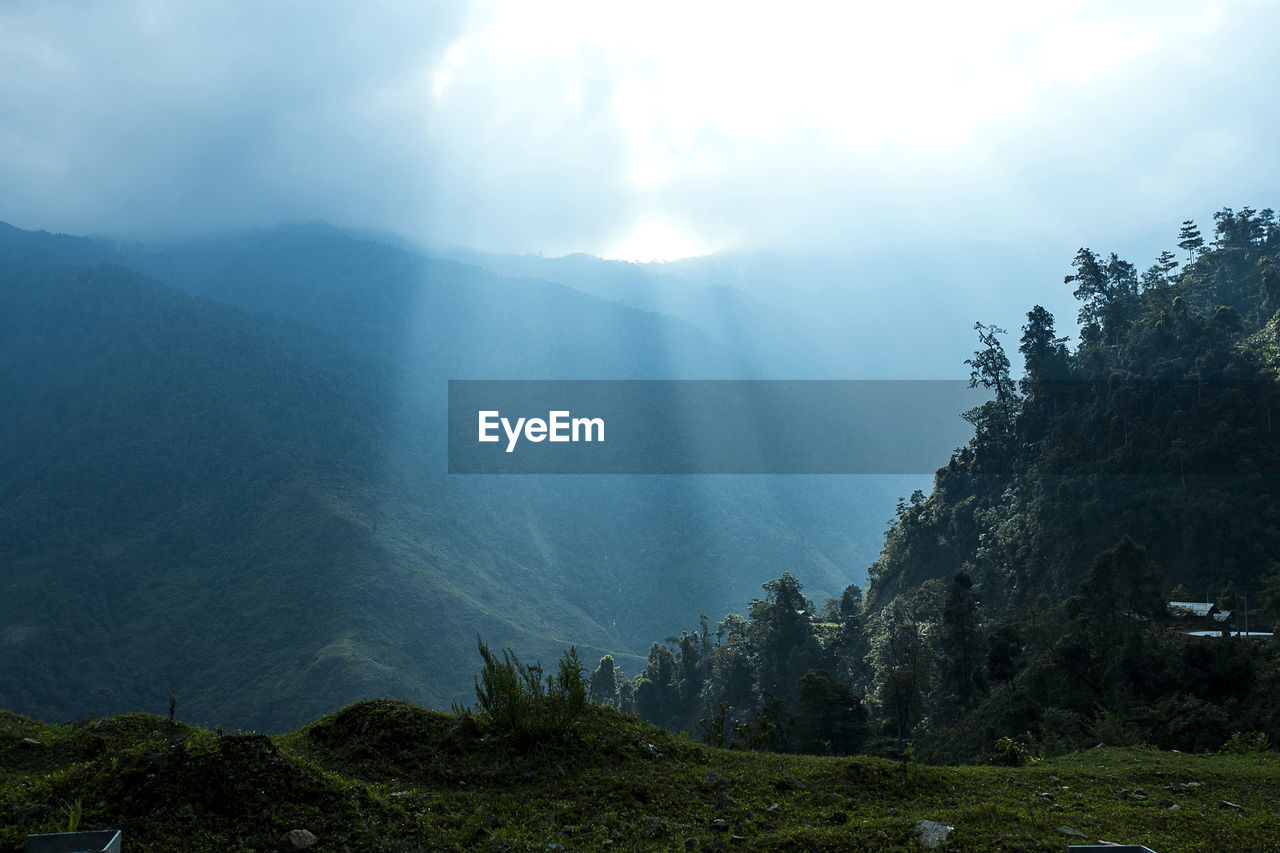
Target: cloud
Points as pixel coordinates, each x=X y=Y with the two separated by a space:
x=641 y=129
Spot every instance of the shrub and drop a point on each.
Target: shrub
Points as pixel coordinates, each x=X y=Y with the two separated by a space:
x=517 y=701
x=1246 y=744
x=1008 y=752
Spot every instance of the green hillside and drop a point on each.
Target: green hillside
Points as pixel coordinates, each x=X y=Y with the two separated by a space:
x=382 y=775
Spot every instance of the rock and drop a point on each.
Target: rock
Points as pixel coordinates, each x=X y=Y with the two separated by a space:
x=691 y=844
x=31 y=743
x=719 y=823
x=774 y=809
x=1175 y=808
x=830 y=797
x=296 y=839
x=158 y=759
x=931 y=833
x=737 y=839
x=713 y=781
x=727 y=803
x=30 y=809
x=858 y=770
x=788 y=783
x=1074 y=833
x=1227 y=805
x=890 y=812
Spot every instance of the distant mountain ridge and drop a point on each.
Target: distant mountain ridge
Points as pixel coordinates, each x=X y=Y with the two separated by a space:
x=249 y=508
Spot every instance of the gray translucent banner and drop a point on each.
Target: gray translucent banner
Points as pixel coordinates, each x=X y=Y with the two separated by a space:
x=706 y=426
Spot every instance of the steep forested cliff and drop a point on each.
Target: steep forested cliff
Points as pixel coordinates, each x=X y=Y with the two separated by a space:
x=1025 y=597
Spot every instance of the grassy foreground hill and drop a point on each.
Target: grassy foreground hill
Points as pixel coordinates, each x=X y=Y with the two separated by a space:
x=385 y=775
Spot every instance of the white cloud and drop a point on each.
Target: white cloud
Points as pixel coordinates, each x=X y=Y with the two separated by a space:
x=597 y=126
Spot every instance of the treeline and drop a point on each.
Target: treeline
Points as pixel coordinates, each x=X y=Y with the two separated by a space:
x=787 y=676
x=1024 y=599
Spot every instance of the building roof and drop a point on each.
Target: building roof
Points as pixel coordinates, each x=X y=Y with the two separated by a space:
x=1191 y=608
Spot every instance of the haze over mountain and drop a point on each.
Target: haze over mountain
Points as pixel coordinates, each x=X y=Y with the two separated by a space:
x=243 y=501
x=223 y=459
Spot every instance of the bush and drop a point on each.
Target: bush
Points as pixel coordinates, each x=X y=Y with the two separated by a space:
x=1185 y=723
x=1246 y=744
x=1008 y=752
x=1064 y=731
x=518 y=703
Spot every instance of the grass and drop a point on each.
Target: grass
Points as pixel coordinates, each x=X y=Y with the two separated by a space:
x=387 y=776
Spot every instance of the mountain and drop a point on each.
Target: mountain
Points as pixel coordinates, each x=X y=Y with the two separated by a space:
x=1158 y=426
x=223 y=477
x=1026 y=596
x=872 y=315
x=1021 y=607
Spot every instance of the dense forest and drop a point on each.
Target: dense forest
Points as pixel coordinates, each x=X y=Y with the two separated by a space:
x=1022 y=605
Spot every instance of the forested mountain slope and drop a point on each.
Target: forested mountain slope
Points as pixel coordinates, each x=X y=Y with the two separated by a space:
x=252 y=511
x=1162 y=424
x=1020 y=606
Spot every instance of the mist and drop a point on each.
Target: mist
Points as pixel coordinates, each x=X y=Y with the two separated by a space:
x=645 y=133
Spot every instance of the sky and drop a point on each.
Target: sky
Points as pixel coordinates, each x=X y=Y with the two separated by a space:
x=641 y=130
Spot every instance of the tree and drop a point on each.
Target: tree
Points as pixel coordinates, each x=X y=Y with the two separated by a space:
x=1159 y=273
x=1271 y=594
x=900 y=656
x=962 y=645
x=1122 y=589
x=850 y=646
x=657 y=695
x=990 y=366
x=1002 y=657
x=1189 y=239
x=604 y=682
x=1092 y=288
x=992 y=420
x=1045 y=354
x=782 y=635
x=1105 y=290
x=690 y=668
x=831 y=717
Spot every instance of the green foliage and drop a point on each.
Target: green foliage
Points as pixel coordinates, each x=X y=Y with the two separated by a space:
x=1008 y=752
x=1246 y=744
x=74 y=811
x=517 y=702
